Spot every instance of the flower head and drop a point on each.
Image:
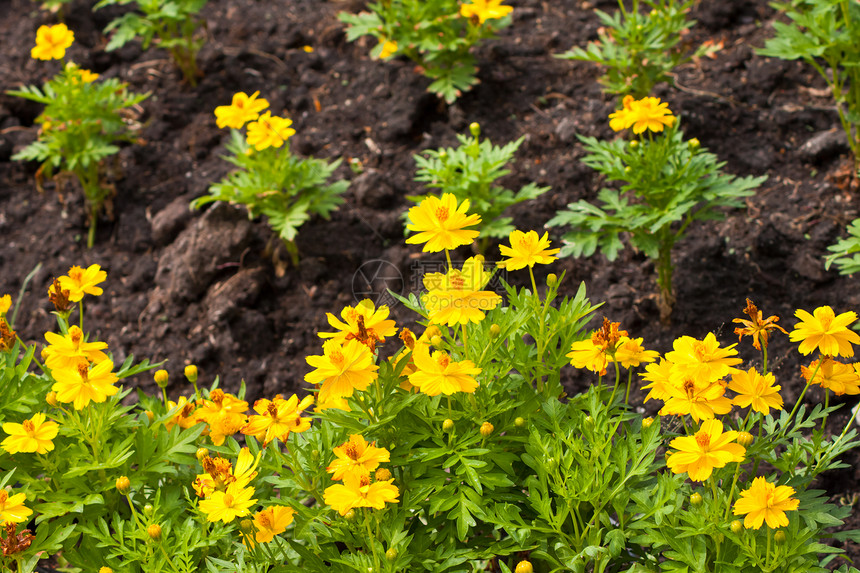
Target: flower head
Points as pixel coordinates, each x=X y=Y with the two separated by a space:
x=456 y=297
x=389 y=48
x=702 y=360
x=765 y=502
x=756 y=391
x=831 y=375
x=356 y=456
x=228 y=505
x=33 y=435
x=82 y=385
x=707 y=449
x=439 y=374
x=184 y=415
x=701 y=400
x=5 y=304
x=12 y=508
x=224 y=413
x=83 y=281
x=357 y=491
x=363 y=322
x=756 y=328
x=527 y=249
x=485 y=10
x=441 y=223
x=342 y=369
x=70 y=350
x=277 y=418
x=826 y=331
x=269 y=131
x=242 y=109
x=272 y=521
x=647 y=113
x=51 y=42
x=630 y=353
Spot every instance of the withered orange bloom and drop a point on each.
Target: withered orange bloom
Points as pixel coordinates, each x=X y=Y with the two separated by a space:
x=756 y=328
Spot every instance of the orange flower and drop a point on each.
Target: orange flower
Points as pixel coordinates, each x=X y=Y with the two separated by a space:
x=756 y=391
x=51 y=42
x=831 y=375
x=756 y=328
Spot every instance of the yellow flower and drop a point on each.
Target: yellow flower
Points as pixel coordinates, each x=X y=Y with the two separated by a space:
x=707 y=449
x=363 y=322
x=756 y=328
x=33 y=435
x=224 y=413
x=51 y=42
x=342 y=369
x=630 y=353
x=277 y=418
x=438 y=374
x=587 y=354
x=389 y=47
x=826 y=331
x=357 y=457
x=441 y=223
x=832 y=375
x=765 y=502
x=184 y=416
x=455 y=298
x=702 y=401
x=5 y=304
x=70 y=350
x=228 y=505
x=82 y=385
x=526 y=249
x=756 y=391
x=87 y=76
x=647 y=113
x=357 y=491
x=660 y=382
x=272 y=521
x=80 y=282
x=485 y=10
x=269 y=131
x=701 y=360
x=12 y=508
x=242 y=109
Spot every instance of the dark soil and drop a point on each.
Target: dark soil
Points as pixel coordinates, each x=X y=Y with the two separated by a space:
x=199 y=287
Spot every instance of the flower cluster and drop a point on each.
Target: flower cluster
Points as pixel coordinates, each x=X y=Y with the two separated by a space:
x=226 y=490
x=354 y=461
x=263 y=130
x=644 y=114
x=608 y=345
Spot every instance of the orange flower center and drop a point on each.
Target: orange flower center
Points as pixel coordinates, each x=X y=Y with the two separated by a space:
x=217 y=396
x=29 y=427
x=365 y=481
x=526 y=243
x=4 y=495
x=825 y=323
x=458 y=283
x=700 y=350
x=77 y=336
x=337 y=358
x=272 y=410
x=442 y=214
x=83 y=370
x=265 y=519
x=228 y=500
x=76 y=274
x=351 y=451
x=443 y=360
x=704 y=440
x=689 y=388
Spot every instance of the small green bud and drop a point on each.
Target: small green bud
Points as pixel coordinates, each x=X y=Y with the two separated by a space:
x=589 y=420
x=551 y=281
x=147 y=509
x=315 y=455
x=694 y=144
x=349 y=515
x=443 y=154
x=246 y=526
x=191 y=373
x=519 y=422
x=779 y=537
x=161 y=377
x=202 y=453
x=486 y=429
x=634 y=144
x=744 y=438
x=696 y=499
x=737 y=526
x=447 y=425
x=391 y=554
x=475 y=129
x=627 y=169
x=495 y=330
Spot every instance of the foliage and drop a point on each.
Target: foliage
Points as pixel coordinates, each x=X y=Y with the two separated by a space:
x=640 y=50
x=83 y=121
x=823 y=33
x=469 y=171
x=666 y=184
x=844 y=249
x=433 y=33
x=173 y=24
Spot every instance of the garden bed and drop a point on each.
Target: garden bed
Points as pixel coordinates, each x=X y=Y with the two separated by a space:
x=202 y=287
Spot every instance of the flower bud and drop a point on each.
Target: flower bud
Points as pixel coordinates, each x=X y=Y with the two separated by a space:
x=589 y=420
x=150 y=415
x=519 y=422
x=436 y=340
x=646 y=422
x=744 y=438
x=44 y=354
x=315 y=456
x=246 y=526
x=161 y=377
x=191 y=373
x=202 y=453
x=551 y=281
x=475 y=128
x=147 y=509
x=391 y=554
x=779 y=537
x=123 y=485
x=486 y=429
x=447 y=425
x=51 y=399
x=495 y=330
x=634 y=144
x=154 y=532
x=383 y=474
x=349 y=515
x=696 y=499
x=719 y=537
x=105 y=570
x=524 y=567
x=694 y=144
x=737 y=526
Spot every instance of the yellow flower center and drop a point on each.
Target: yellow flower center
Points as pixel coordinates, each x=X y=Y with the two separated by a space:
x=526 y=243
x=351 y=451
x=29 y=427
x=4 y=495
x=228 y=500
x=825 y=323
x=442 y=214
x=704 y=440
